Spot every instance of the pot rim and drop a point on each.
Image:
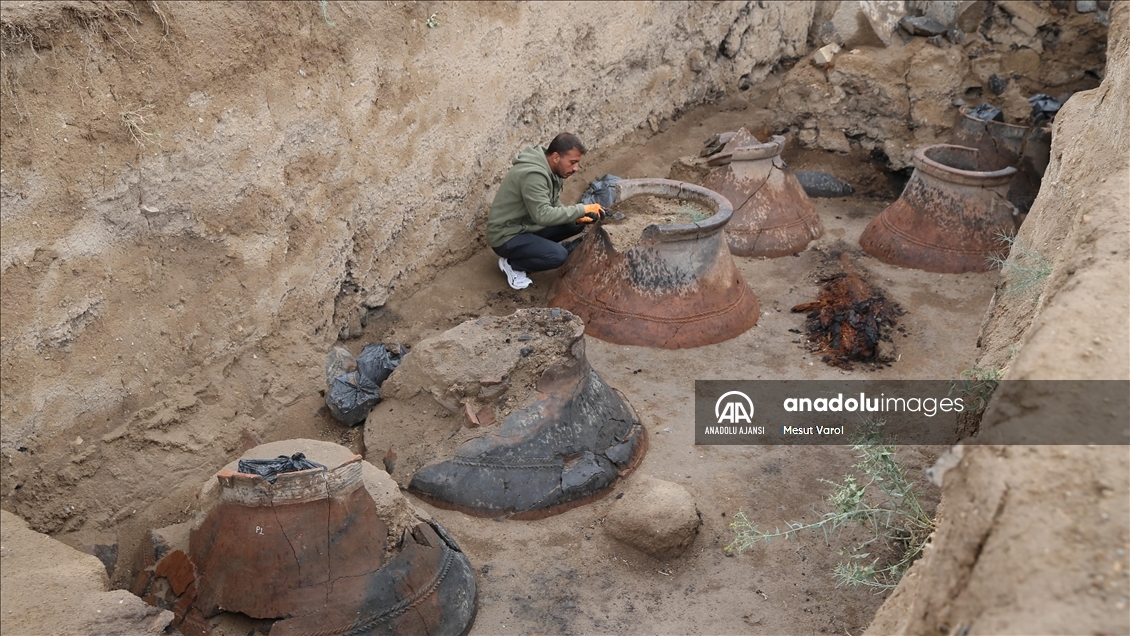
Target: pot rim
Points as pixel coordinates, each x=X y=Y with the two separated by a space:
x=950 y=174
x=669 y=188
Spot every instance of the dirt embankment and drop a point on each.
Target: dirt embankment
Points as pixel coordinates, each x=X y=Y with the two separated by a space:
x=1033 y=539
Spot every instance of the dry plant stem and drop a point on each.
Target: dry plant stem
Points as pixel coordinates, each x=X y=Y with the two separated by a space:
x=898 y=520
x=134 y=122
x=1023 y=270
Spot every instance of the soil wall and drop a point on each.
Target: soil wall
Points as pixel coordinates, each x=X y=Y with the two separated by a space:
x=1033 y=539
x=200 y=198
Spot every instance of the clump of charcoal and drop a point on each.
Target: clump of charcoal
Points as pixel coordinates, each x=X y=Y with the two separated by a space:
x=851 y=320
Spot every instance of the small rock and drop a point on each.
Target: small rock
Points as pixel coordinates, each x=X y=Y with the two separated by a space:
x=339 y=362
x=997 y=84
x=922 y=25
x=936 y=41
x=826 y=32
x=526 y=351
x=824 y=55
x=655 y=516
x=1024 y=26
x=955 y=34
x=1086 y=6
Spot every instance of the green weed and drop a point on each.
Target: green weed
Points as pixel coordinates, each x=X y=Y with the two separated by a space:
x=1024 y=270
x=978 y=384
x=896 y=521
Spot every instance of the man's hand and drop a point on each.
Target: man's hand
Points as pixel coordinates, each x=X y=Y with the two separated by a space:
x=593 y=212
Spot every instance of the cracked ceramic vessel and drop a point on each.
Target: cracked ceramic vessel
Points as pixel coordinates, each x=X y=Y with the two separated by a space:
x=677 y=287
x=1026 y=148
x=773 y=216
x=570 y=445
x=311 y=550
x=952 y=217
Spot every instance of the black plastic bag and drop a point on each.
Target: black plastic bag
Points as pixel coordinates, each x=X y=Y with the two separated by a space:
x=1043 y=107
x=351 y=398
x=986 y=112
x=822 y=184
x=376 y=362
x=602 y=191
x=271 y=468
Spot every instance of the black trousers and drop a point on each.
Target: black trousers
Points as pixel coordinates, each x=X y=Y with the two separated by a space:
x=539 y=251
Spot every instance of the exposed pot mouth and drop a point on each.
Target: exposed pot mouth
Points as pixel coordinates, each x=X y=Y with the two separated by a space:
x=754 y=152
x=958 y=165
x=999 y=128
x=723 y=210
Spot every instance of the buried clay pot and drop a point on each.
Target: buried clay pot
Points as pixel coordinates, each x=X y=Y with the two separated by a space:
x=504 y=417
x=1001 y=145
x=676 y=287
x=773 y=215
x=335 y=550
x=952 y=216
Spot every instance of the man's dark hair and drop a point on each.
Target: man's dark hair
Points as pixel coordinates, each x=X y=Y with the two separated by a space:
x=563 y=143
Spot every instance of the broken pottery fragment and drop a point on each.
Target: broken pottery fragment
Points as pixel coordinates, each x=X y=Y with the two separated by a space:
x=550 y=433
x=329 y=550
x=773 y=215
x=675 y=287
x=952 y=217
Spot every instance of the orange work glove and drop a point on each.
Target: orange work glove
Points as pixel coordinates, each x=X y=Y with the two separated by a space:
x=593 y=212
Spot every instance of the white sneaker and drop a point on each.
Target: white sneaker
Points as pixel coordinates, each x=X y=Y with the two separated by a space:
x=517 y=279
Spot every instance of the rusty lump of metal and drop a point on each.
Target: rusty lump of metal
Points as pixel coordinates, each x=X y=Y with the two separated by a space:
x=772 y=214
x=677 y=287
x=311 y=550
x=952 y=217
x=1026 y=148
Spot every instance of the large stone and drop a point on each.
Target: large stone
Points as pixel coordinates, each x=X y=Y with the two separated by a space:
x=1030 y=12
x=654 y=516
x=852 y=28
x=883 y=16
x=47 y=587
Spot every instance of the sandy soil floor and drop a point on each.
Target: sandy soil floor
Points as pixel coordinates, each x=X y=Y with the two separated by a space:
x=563 y=574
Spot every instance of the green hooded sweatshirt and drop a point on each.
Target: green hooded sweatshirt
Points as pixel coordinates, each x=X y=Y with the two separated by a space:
x=528 y=200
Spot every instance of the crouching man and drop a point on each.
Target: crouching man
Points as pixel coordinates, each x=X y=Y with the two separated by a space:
x=527 y=221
